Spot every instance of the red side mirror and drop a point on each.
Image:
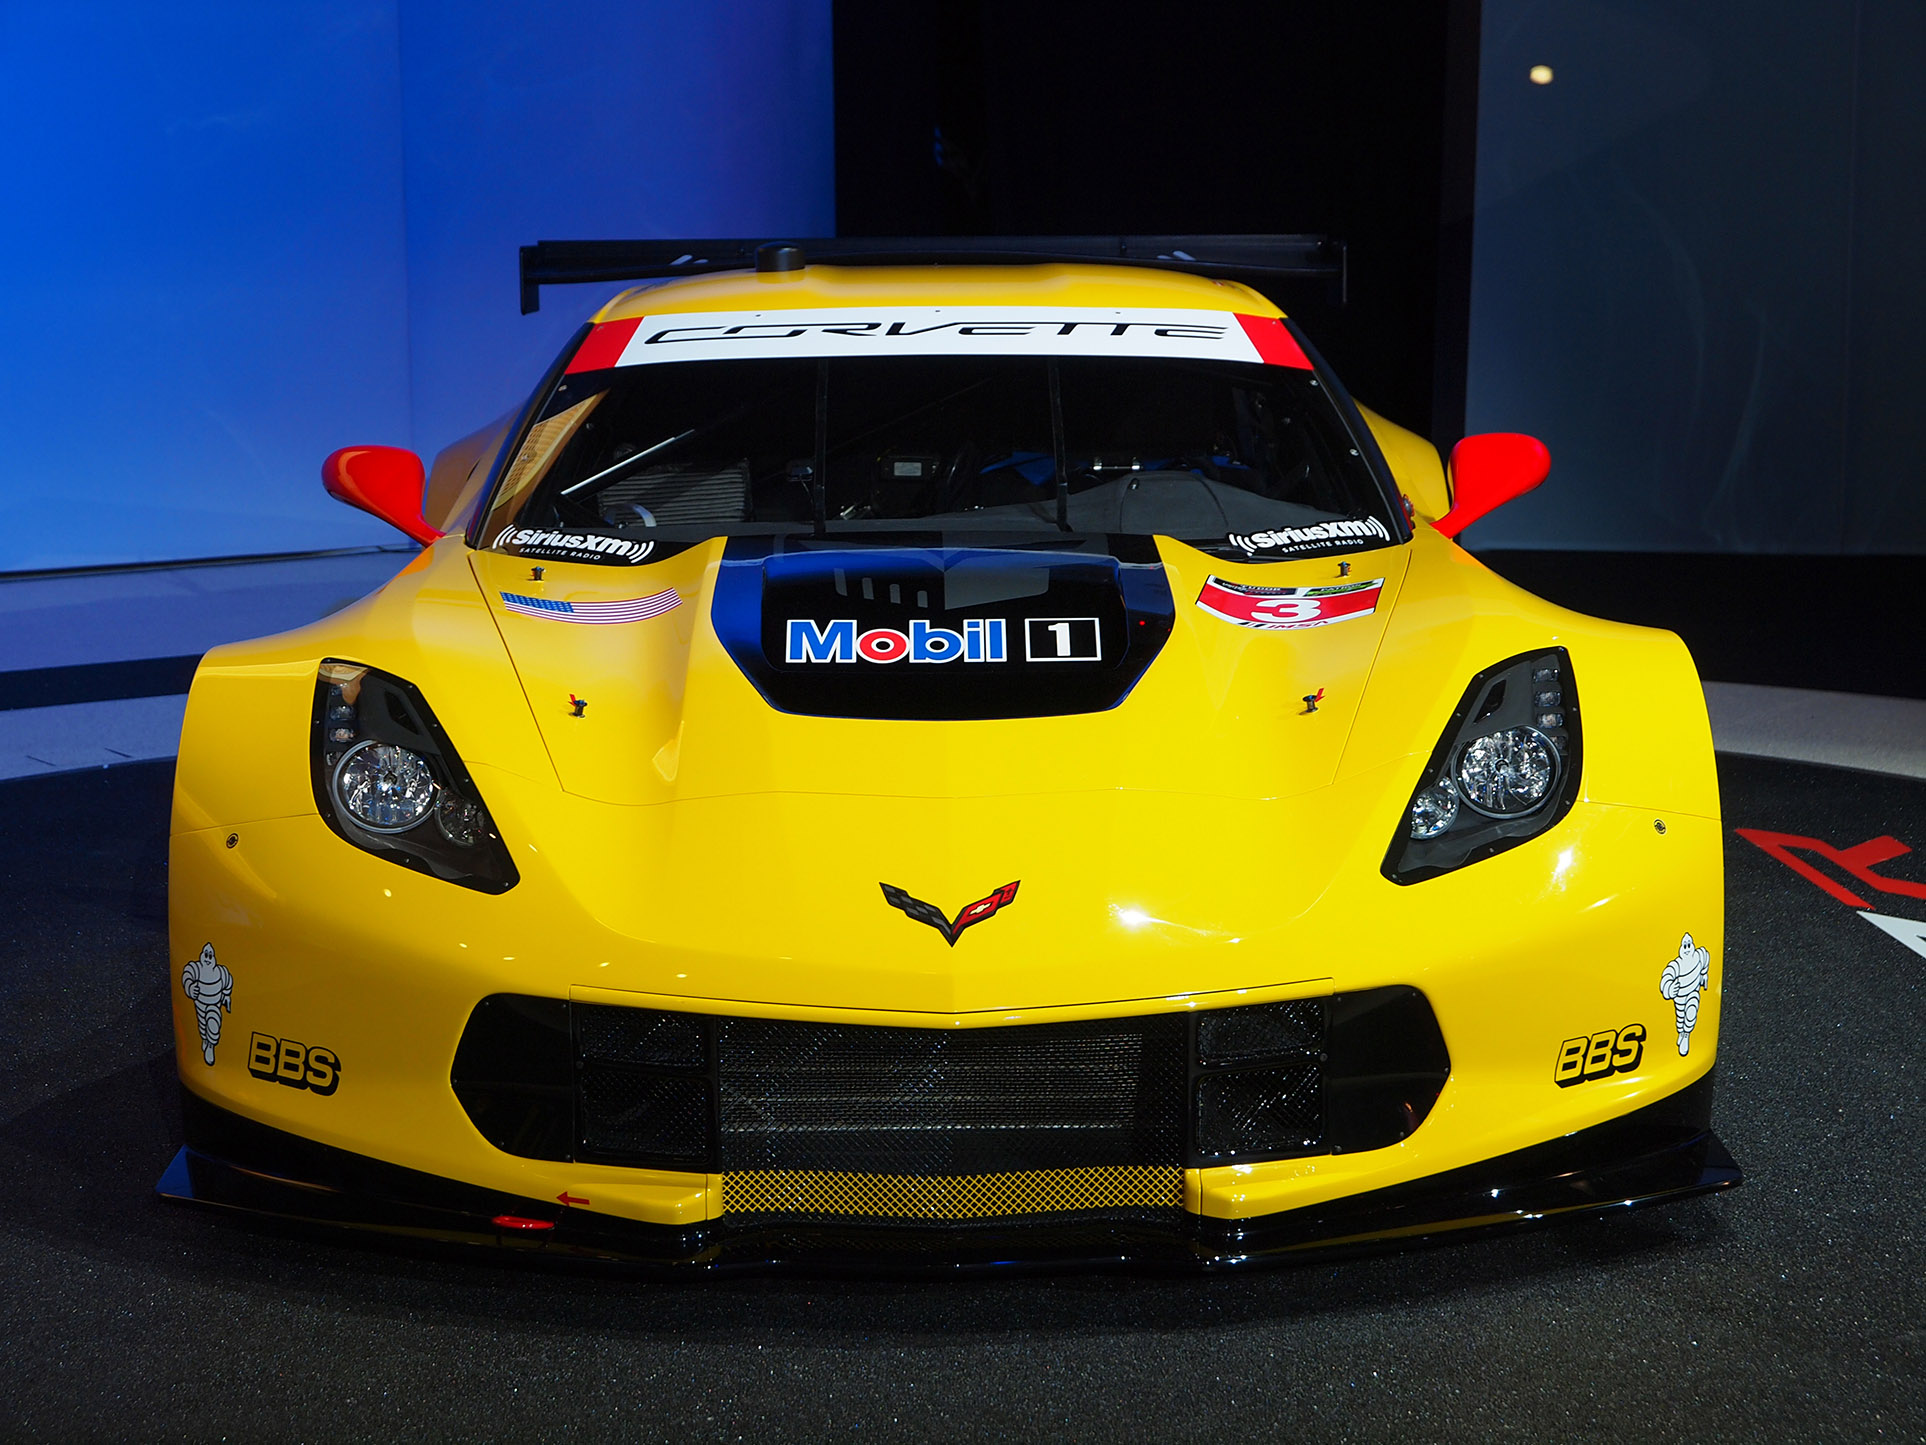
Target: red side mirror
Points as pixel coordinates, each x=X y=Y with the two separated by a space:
x=1489 y=470
x=383 y=481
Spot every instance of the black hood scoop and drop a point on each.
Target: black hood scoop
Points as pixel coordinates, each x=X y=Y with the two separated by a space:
x=942 y=633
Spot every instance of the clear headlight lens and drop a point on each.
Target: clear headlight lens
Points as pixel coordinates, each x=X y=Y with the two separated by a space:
x=384 y=788
x=387 y=779
x=1434 y=809
x=1505 y=769
x=461 y=821
x=1507 y=773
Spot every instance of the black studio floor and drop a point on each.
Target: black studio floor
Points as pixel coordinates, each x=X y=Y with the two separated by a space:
x=1789 y=1309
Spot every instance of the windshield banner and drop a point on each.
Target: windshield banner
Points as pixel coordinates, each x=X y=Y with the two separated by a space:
x=1027 y=330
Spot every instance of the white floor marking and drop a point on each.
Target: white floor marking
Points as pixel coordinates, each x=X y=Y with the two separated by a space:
x=1909 y=931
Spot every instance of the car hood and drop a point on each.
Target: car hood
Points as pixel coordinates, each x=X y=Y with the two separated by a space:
x=686 y=838
x=719 y=672
x=1163 y=837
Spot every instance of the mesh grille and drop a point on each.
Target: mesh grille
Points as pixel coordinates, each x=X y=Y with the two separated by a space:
x=953 y=1197
x=634 y=1113
x=836 y=1098
x=1245 y=1112
x=853 y=1121
x=1260 y=1031
x=638 y=1036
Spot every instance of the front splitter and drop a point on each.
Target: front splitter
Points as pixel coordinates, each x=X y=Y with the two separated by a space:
x=1665 y=1151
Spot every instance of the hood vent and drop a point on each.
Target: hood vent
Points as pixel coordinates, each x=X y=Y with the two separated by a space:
x=942 y=633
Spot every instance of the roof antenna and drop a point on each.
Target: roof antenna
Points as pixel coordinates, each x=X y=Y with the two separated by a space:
x=780 y=256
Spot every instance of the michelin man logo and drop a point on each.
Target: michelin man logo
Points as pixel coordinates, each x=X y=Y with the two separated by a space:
x=1684 y=979
x=210 y=988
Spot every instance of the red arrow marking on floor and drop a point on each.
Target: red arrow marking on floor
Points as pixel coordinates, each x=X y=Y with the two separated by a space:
x=568 y=1198
x=1858 y=860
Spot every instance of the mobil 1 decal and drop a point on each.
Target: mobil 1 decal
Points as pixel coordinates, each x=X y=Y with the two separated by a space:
x=1287 y=609
x=1062 y=639
x=978 y=639
x=915 y=633
x=920 y=640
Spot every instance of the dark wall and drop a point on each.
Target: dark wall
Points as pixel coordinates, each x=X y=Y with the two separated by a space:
x=1839 y=624
x=1699 y=272
x=994 y=117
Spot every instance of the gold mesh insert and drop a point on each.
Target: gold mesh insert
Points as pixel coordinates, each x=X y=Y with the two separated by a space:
x=953 y=1196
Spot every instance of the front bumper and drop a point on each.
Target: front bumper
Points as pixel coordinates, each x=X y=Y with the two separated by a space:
x=337 y=952
x=1661 y=1152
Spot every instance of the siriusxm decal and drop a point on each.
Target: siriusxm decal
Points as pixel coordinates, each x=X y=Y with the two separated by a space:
x=573 y=546
x=981 y=640
x=1287 y=539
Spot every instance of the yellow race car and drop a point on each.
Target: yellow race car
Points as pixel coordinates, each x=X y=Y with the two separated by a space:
x=935 y=754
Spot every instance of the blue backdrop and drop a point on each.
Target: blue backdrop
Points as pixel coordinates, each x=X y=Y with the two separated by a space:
x=238 y=236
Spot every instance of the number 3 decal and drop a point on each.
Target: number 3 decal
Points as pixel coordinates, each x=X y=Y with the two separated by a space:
x=1287 y=609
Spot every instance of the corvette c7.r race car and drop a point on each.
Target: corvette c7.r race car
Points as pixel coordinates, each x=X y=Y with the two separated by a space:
x=942 y=765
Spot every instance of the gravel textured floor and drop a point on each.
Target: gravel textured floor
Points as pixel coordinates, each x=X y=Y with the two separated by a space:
x=1791 y=1308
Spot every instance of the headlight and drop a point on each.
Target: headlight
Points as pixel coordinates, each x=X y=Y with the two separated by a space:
x=387 y=779
x=384 y=788
x=1434 y=809
x=1505 y=774
x=461 y=822
x=1505 y=770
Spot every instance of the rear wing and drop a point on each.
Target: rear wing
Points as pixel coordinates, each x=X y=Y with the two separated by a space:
x=1252 y=258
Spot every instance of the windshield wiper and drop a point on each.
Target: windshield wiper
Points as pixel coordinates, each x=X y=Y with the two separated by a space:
x=1062 y=452
x=627 y=461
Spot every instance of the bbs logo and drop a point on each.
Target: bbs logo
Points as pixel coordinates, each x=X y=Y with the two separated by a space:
x=1595 y=1056
x=283 y=1061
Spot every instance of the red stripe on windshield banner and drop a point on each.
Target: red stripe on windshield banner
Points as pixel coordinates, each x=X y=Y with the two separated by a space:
x=604 y=346
x=1274 y=342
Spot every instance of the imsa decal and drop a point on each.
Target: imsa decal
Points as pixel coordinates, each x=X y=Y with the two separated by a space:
x=283 y=1061
x=1599 y=1055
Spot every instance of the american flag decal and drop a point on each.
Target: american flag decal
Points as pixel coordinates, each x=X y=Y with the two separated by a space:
x=596 y=614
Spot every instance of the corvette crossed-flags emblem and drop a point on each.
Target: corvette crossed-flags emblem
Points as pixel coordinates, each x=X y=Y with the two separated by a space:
x=929 y=913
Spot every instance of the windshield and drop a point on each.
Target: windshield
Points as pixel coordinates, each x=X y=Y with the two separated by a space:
x=1246 y=460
